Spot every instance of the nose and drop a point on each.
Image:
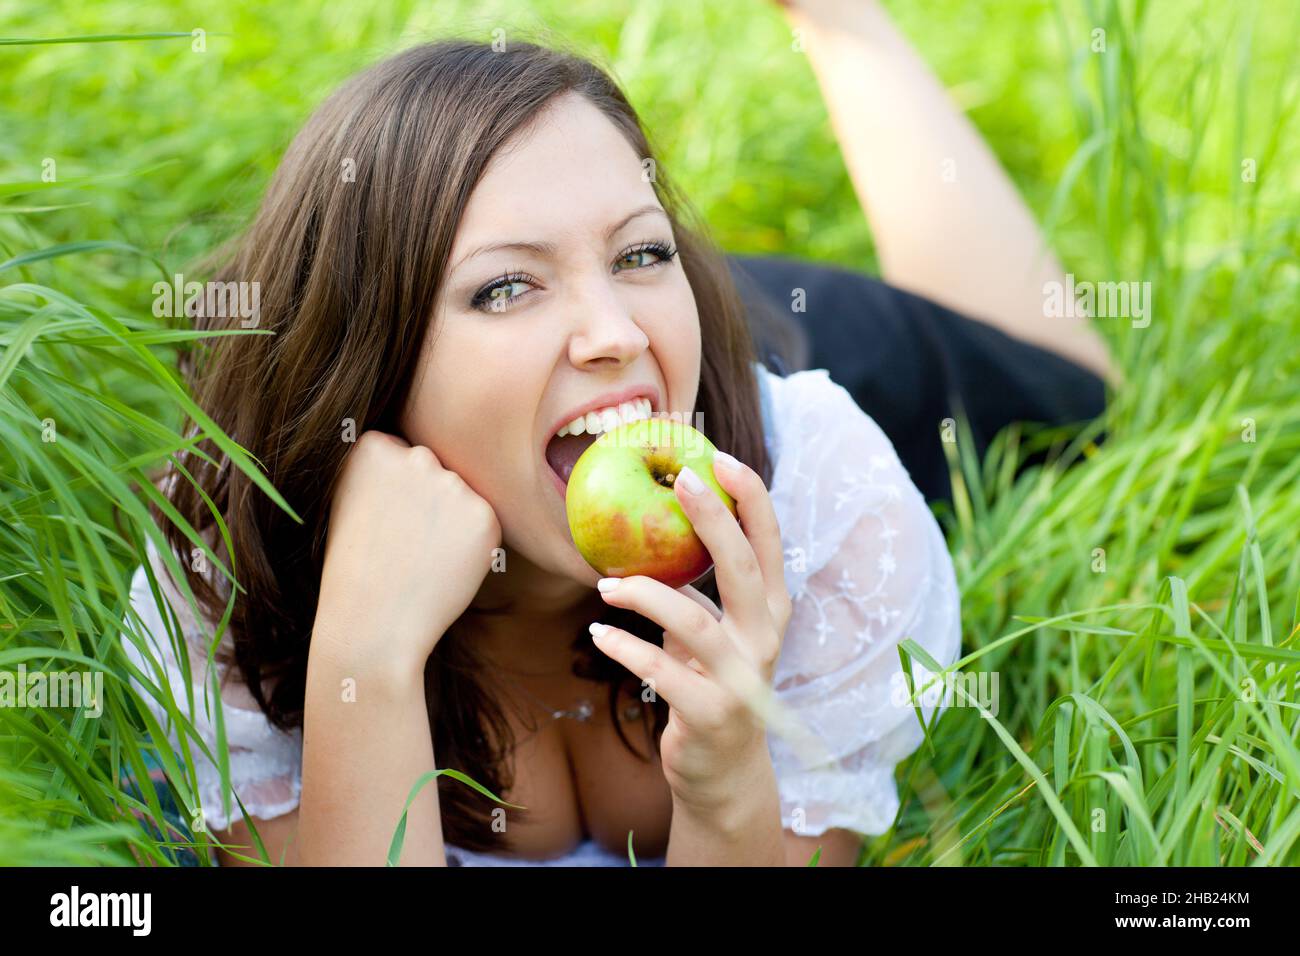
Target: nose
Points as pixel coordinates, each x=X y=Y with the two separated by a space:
x=605 y=333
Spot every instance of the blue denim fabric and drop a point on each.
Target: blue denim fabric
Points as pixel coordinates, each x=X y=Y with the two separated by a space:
x=177 y=825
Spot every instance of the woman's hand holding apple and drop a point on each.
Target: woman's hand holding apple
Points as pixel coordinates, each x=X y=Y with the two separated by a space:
x=715 y=671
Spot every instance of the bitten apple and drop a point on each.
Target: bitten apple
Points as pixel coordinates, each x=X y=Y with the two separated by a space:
x=623 y=512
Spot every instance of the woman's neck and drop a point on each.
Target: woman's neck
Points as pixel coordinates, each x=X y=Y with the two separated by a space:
x=524 y=618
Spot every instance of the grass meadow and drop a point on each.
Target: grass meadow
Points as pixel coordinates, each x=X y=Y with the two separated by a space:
x=1140 y=608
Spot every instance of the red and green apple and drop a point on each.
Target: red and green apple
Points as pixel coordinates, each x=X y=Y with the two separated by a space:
x=623 y=513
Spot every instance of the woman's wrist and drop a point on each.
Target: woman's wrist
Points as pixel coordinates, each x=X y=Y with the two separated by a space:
x=728 y=804
x=742 y=829
x=366 y=740
x=342 y=649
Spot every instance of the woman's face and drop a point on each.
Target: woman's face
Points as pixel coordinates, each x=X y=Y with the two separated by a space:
x=592 y=317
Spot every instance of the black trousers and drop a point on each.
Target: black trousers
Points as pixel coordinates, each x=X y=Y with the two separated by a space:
x=907 y=361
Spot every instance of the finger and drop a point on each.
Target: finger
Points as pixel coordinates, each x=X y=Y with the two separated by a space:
x=702 y=599
x=689 y=634
x=387 y=438
x=680 y=652
x=758 y=521
x=685 y=619
x=685 y=690
x=398 y=441
x=730 y=674
x=736 y=567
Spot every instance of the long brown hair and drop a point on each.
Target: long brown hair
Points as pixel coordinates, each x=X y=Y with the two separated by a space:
x=349 y=268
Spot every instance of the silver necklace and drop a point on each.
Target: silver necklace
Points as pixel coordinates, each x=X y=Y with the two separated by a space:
x=582 y=712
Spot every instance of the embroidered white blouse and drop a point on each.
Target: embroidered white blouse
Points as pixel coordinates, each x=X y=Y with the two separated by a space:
x=866 y=567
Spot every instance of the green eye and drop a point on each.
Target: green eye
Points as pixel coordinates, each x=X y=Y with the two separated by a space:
x=500 y=293
x=633 y=255
x=496 y=297
x=660 y=250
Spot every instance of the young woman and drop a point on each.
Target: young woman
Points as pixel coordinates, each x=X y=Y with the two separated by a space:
x=462 y=253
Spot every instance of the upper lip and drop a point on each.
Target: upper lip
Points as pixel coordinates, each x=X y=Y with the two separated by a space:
x=601 y=401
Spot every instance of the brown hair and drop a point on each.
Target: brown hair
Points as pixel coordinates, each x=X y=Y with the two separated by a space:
x=348 y=273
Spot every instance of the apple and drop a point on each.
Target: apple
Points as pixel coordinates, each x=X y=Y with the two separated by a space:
x=623 y=512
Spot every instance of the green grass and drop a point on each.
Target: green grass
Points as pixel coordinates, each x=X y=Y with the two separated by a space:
x=1148 y=712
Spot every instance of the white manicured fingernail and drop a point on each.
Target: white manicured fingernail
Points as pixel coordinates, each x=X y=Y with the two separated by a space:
x=597 y=630
x=608 y=584
x=690 y=481
x=726 y=461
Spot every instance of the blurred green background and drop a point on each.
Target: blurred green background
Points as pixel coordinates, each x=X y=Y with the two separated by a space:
x=1160 y=690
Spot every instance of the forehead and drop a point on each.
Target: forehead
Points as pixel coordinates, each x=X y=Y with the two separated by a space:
x=570 y=171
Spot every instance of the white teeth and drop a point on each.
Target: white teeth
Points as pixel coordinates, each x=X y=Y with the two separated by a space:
x=607 y=419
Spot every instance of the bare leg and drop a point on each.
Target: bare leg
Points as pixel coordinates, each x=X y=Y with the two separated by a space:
x=947 y=221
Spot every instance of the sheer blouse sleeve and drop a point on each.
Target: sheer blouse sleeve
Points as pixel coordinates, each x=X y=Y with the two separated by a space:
x=866 y=568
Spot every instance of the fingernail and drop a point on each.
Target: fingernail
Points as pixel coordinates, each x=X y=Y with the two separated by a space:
x=726 y=461
x=690 y=481
x=597 y=630
x=608 y=584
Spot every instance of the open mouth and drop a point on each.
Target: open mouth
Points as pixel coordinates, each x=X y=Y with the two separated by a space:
x=566 y=447
x=562 y=453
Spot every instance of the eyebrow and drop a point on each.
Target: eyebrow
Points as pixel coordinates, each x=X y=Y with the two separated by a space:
x=548 y=249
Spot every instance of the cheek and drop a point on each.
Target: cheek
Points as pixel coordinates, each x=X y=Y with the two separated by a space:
x=473 y=404
x=677 y=346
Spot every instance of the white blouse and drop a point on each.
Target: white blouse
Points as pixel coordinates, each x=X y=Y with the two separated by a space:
x=866 y=567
